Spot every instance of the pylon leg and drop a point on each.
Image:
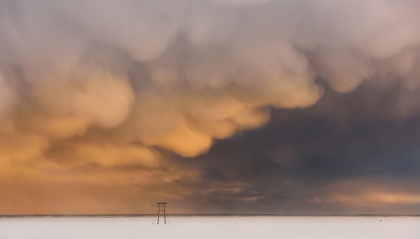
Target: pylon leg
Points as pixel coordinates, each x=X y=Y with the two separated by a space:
x=158 y=214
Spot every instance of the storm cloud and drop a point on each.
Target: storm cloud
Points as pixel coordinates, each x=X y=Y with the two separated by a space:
x=202 y=100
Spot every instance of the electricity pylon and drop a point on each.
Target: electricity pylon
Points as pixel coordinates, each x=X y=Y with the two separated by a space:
x=161 y=207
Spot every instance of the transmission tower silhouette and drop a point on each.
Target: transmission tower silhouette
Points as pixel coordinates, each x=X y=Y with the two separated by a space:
x=161 y=207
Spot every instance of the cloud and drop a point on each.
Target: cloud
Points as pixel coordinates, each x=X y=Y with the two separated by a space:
x=6 y=98
x=137 y=77
x=81 y=60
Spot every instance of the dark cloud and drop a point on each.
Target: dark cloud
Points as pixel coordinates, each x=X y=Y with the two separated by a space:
x=360 y=139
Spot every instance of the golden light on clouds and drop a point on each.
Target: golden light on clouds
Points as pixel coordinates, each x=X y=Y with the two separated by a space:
x=97 y=96
x=379 y=198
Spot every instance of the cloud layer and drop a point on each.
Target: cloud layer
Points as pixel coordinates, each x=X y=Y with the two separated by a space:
x=113 y=84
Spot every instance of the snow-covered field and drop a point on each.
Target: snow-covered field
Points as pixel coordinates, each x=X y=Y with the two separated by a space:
x=212 y=227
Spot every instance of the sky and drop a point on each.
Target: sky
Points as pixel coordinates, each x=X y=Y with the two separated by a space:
x=214 y=106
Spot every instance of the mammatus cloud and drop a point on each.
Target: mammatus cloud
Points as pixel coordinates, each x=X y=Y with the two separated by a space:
x=136 y=76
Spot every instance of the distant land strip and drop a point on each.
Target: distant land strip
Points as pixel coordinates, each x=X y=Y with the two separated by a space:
x=205 y=215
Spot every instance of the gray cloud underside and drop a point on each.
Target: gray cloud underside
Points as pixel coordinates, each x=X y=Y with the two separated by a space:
x=344 y=145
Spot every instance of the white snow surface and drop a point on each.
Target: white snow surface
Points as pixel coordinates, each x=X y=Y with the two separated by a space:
x=212 y=227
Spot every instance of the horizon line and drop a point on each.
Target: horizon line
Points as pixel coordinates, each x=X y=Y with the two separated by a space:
x=208 y=215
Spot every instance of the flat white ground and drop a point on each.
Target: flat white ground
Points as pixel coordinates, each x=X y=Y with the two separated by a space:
x=212 y=227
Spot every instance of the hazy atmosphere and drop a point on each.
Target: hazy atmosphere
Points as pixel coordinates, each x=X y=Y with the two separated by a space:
x=214 y=106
